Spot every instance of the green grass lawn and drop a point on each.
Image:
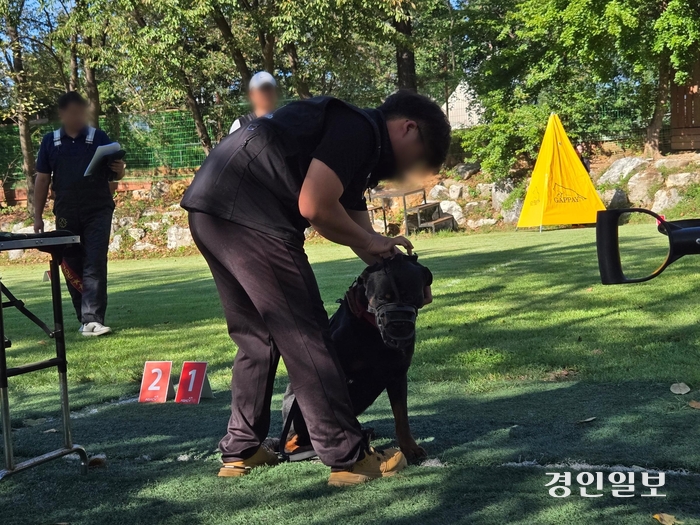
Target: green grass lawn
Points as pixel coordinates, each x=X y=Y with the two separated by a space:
x=520 y=344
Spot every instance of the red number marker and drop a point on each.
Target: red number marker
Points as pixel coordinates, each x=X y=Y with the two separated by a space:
x=194 y=383
x=156 y=385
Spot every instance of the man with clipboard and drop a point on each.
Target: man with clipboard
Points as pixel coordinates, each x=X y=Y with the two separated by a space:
x=83 y=204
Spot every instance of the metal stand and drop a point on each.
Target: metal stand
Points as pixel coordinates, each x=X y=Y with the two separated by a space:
x=54 y=245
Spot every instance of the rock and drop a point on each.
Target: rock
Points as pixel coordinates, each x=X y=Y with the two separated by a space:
x=481 y=222
x=159 y=189
x=500 y=193
x=116 y=243
x=19 y=228
x=512 y=215
x=671 y=163
x=149 y=212
x=448 y=183
x=438 y=193
x=665 y=199
x=620 y=169
x=15 y=255
x=484 y=189
x=126 y=222
x=471 y=205
x=179 y=237
x=153 y=226
x=143 y=247
x=455 y=191
x=640 y=186
x=453 y=209
x=467 y=169
x=614 y=199
x=136 y=233
x=141 y=195
x=682 y=180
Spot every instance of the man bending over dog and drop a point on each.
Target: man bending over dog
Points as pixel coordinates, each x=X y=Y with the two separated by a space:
x=308 y=163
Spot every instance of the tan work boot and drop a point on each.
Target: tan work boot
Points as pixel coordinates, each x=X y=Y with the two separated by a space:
x=374 y=465
x=261 y=458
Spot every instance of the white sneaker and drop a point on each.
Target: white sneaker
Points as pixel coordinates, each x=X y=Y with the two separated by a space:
x=94 y=329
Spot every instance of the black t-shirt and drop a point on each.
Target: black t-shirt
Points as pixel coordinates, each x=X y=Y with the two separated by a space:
x=254 y=176
x=347 y=147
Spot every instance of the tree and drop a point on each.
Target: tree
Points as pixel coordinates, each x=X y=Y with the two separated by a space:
x=11 y=14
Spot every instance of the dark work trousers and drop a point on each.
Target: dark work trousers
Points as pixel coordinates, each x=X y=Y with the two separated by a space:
x=85 y=266
x=272 y=306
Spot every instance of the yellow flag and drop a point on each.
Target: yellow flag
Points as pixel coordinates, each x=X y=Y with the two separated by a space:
x=561 y=191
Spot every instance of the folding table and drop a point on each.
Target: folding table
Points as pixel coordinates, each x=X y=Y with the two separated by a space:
x=54 y=243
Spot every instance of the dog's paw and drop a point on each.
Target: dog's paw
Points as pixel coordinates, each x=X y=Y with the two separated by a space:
x=413 y=452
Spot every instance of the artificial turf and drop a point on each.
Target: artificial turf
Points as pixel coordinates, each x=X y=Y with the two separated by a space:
x=520 y=344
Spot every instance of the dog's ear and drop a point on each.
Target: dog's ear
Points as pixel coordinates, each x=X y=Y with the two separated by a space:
x=427 y=276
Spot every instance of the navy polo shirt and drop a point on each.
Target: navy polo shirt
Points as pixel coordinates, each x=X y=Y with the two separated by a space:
x=76 y=148
x=67 y=164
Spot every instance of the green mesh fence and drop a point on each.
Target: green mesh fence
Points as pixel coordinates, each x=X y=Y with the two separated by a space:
x=167 y=141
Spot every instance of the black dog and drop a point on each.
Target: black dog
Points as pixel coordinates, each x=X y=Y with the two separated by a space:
x=374 y=336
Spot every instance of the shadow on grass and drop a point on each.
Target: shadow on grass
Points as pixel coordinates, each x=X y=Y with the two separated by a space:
x=162 y=462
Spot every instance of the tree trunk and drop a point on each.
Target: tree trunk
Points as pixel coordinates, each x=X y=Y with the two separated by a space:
x=405 y=56
x=232 y=44
x=663 y=92
x=25 y=135
x=267 y=44
x=298 y=80
x=93 y=94
x=193 y=106
x=73 y=86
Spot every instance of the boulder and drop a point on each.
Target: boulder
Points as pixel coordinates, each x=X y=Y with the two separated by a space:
x=143 y=247
x=456 y=191
x=15 y=255
x=472 y=204
x=452 y=208
x=20 y=228
x=665 y=199
x=159 y=189
x=116 y=243
x=511 y=215
x=682 y=180
x=438 y=193
x=614 y=199
x=149 y=212
x=467 y=169
x=671 y=163
x=484 y=189
x=136 y=233
x=500 y=193
x=481 y=222
x=640 y=186
x=620 y=169
x=124 y=222
x=153 y=226
x=141 y=195
x=179 y=237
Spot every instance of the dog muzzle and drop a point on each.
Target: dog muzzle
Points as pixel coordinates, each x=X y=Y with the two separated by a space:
x=397 y=324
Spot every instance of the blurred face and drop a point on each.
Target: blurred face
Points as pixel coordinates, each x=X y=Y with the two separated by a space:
x=579 y=149
x=74 y=117
x=263 y=99
x=407 y=143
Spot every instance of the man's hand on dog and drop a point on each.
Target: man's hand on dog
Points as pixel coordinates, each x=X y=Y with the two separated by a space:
x=386 y=246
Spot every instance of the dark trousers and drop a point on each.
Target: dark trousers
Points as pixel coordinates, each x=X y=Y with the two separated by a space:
x=272 y=306
x=85 y=267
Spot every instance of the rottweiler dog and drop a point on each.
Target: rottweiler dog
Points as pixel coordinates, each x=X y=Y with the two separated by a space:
x=374 y=332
